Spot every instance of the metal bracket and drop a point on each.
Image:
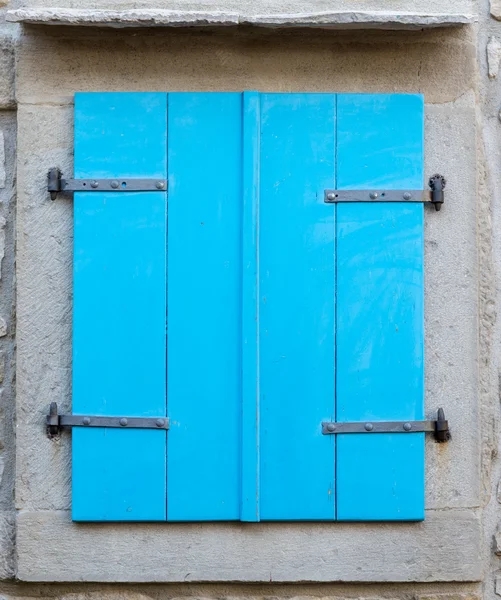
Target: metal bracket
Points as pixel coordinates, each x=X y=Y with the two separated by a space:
x=435 y=195
x=56 y=422
x=439 y=427
x=56 y=184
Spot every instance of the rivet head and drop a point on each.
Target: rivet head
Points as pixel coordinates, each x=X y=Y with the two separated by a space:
x=331 y=427
x=373 y=195
x=123 y=422
x=86 y=420
x=407 y=426
x=94 y=184
x=407 y=196
x=114 y=184
x=369 y=427
x=160 y=185
x=160 y=422
x=331 y=196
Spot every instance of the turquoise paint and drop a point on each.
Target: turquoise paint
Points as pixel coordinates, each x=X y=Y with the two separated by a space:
x=250 y=308
x=380 y=307
x=204 y=306
x=119 y=306
x=297 y=277
x=259 y=270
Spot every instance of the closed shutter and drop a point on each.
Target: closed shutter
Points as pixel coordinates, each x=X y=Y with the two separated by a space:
x=246 y=309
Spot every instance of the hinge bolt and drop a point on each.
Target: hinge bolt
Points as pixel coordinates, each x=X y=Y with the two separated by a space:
x=373 y=195
x=369 y=427
x=160 y=185
x=114 y=184
x=123 y=422
x=331 y=427
x=94 y=184
x=160 y=422
x=407 y=426
x=407 y=196
x=86 y=420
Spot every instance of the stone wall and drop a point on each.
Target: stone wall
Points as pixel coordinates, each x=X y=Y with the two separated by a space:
x=454 y=554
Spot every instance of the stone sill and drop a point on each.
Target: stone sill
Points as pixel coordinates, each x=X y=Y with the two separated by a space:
x=171 y=18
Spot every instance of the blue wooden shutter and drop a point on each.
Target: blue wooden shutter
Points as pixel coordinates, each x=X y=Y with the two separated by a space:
x=281 y=311
x=119 y=308
x=296 y=306
x=204 y=299
x=379 y=346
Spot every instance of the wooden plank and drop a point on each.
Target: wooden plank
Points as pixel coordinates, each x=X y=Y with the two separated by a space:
x=380 y=307
x=296 y=306
x=250 y=309
x=204 y=305
x=119 y=304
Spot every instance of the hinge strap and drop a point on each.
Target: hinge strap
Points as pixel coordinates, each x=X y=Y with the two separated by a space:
x=56 y=184
x=56 y=422
x=435 y=195
x=439 y=427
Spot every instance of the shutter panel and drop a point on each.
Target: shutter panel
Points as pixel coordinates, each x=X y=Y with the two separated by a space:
x=119 y=308
x=296 y=331
x=204 y=300
x=380 y=307
x=282 y=311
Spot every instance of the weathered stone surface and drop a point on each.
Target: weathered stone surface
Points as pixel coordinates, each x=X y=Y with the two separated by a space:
x=51 y=62
x=496 y=9
x=3 y=327
x=159 y=17
x=7 y=70
x=2 y=160
x=493 y=56
x=7 y=538
x=449 y=596
x=451 y=273
x=3 y=223
x=445 y=547
x=497 y=543
x=106 y=595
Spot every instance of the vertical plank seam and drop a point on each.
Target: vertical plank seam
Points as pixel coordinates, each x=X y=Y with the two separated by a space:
x=167 y=96
x=335 y=450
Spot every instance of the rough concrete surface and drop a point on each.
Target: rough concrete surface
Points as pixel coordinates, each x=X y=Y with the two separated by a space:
x=55 y=62
x=445 y=547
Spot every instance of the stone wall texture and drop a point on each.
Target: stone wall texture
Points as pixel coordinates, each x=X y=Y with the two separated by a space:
x=298 y=46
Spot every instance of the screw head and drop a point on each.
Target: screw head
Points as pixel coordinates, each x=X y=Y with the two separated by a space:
x=123 y=421
x=373 y=195
x=160 y=185
x=94 y=184
x=331 y=427
x=160 y=422
x=86 y=420
x=114 y=184
x=369 y=427
x=331 y=196
x=407 y=426
x=407 y=196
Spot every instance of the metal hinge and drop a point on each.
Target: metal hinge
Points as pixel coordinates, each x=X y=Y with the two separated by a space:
x=56 y=184
x=439 y=427
x=56 y=422
x=435 y=195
